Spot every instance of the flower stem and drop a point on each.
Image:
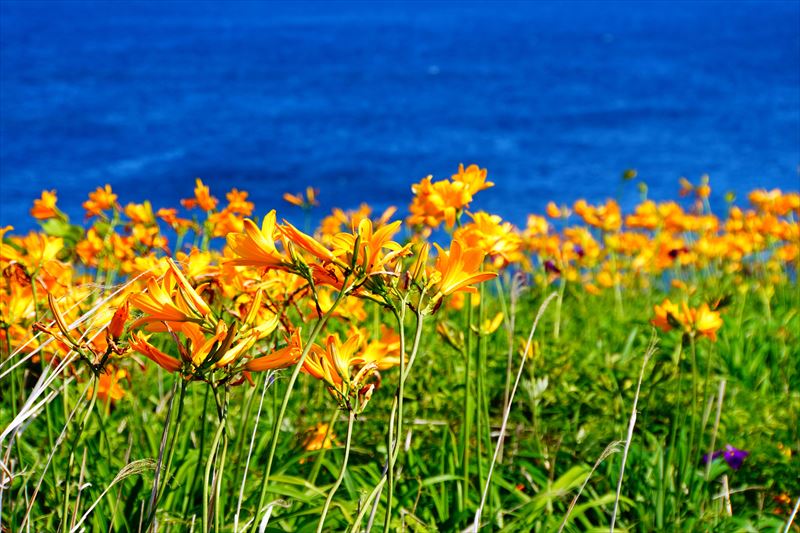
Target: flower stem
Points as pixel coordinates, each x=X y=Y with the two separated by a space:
x=212 y=452
x=318 y=461
x=336 y=485
x=281 y=413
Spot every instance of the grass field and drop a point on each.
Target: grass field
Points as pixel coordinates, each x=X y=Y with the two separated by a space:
x=210 y=368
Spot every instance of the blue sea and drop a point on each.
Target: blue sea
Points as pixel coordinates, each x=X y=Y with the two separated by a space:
x=362 y=99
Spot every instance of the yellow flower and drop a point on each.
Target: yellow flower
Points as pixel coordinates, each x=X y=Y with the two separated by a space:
x=45 y=207
x=490 y=325
x=108 y=386
x=318 y=437
x=306 y=242
x=473 y=177
x=202 y=198
x=256 y=247
x=370 y=255
x=667 y=316
x=141 y=213
x=159 y=304
x=281 y=358
x=706 y=322
x=458 y=269
x=139 y=342
x=100 y=200
x=310 y=199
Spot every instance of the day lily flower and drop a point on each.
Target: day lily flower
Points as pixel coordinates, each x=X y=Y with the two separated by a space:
x=701 y=320
x=371 y=255
x=202 y=198
x=45 y=207
x=256 y=247
x=342 y=366
x=458 y=269
x=108 y=386
x=281 y=358
x=310 y=199
x=172 y=299
x=139 y=342
x=141 y=213
x=306 y=242
x=318 y=437
x=101 y=199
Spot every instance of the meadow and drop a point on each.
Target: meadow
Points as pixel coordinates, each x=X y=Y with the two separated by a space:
x=214 y=367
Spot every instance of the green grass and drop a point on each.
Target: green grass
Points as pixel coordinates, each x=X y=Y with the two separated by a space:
x=575 y=398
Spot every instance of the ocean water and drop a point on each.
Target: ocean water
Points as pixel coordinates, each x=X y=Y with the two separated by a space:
x=362 y=99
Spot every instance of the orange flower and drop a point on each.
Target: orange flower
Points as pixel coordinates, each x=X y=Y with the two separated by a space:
x=101 y=199
x=443 y=200
x=305 y=242
x=370 y=256
x=108 y=386
x=238 y=203
x=310 y=199
x=340 y=365
x=667 y=316
x=139 y=342
x=473 y=177
x=607 y=217
x=700 y=321
x=200 y=346
x=318 y=437
x=159 y=304
x=383 y=352
x=117 y=324
x=45 y=207
x=170 y=216
x=457 y=269
x=498 y=239
x=141 y=213
x=553 y=211
x=202 y=198
x=281 y=358
x=706 y=322
x=256 y=247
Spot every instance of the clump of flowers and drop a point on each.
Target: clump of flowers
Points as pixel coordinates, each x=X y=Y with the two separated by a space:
x=701 y=321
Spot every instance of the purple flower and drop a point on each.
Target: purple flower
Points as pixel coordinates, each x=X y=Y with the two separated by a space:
x=733 y=456
x=551 y=267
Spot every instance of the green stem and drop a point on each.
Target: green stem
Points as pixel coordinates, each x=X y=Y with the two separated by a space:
x=559 y=302
x=318 y=461
x=690 y=462
x=282 y=412
x=395 y=435
x=73 y=447
x=480 y=367
x=404 y=373
x=467 y=425
x=341 y=474
x=207 y=477
x=191 y=487
x=158 y=488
